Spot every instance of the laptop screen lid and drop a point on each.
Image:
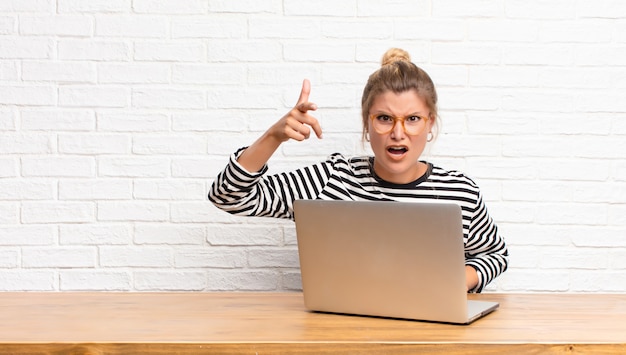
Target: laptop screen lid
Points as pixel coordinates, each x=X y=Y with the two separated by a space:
x=388 y=259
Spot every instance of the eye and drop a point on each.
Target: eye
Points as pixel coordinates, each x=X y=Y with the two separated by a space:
x=384 y=118
x=413 y=119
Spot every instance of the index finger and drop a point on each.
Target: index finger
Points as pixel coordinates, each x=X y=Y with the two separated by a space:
x=304 y=93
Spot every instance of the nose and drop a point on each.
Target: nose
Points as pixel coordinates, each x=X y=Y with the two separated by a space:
x=397 y=132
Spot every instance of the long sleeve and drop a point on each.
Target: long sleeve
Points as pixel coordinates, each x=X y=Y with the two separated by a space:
x=485 y=249
x=241 y=192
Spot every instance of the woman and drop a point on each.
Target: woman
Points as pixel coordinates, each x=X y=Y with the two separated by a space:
x=399 y=112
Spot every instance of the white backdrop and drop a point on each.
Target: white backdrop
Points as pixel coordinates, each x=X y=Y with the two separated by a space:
x=115 y=116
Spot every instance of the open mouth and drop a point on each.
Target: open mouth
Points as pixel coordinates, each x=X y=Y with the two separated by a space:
x=397 y=150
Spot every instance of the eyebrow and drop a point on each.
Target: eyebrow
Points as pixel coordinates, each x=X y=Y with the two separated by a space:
x=381 y=112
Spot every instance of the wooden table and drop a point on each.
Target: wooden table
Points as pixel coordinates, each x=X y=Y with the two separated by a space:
x=271 y=323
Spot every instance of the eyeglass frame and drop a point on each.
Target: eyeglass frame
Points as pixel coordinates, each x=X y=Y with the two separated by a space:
x=401 y=119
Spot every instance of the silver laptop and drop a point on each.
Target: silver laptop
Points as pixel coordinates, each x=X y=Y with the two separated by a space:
x=385 y=259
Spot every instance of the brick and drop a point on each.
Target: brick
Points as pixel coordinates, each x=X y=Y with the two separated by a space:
x=243 y=280
x=159 y=144
x=210 y=27
x=95 y=280
x=244 y=51
x=209 y=258
x=16 y=190
x=199 y=212
x=208 y=74
x=569 y=169
x=57 y=25
x=170 y=234
x=93 y=144
x=210 y=121
x=318 y=52
x=583 y=31
x=94 y=96
x=169 y=190
x=268 y=258
x=244 y=235
x=9 y=70
x=504 y=30
x=196 y=167
x=24 y=235
x=291 y=281
x=170 y=6
x=148 y=122
x=95 y=234
x=57 y=212
x=538 y=9
x=131 y=73
x=535 y=280
x=283 y=74
x=61 y=120
x=429 y=30
x=26 y=143
x=297 y=29
x=101 y=189
x=27 y=280
x=27 y=95
x=168 y=98
x=244 y=99
x=535 y=54
x=59 y=167
x=471 y=8
x=124 y=256
x=93 y=50
x=377 y=9
x=455 y=53
x=8 y=167
x=510 y=76
x=58 y=257
x=129 y=26
x=9 y=258
x=94 y=6
x=570 y=214
x=7 y=25
x=27 y=6
x=133 y=167
x=9 y=213
x=126 y=211
x=611 y=237
x=174 y=51
x=323 y=8
x=259 y=6
x=170 y=280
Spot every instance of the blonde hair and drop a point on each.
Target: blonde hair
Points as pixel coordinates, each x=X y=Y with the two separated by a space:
x=398 y=74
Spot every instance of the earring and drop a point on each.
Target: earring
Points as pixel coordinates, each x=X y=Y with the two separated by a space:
x=367 y=136
x=429 y=137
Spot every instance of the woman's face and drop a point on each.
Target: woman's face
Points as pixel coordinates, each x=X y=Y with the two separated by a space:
x=397 y=153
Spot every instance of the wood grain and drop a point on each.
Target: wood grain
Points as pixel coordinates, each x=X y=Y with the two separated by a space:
x=233 y=323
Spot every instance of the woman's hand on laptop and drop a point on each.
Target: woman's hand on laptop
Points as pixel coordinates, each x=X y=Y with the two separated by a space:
x=471 y=277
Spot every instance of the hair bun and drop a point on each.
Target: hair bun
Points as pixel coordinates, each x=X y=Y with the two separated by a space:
x=395 y=55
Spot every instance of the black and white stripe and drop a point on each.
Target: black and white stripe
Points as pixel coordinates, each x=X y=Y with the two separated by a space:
x=240 y=192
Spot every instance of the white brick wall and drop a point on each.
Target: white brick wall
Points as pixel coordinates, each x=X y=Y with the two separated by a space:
x=116 y=115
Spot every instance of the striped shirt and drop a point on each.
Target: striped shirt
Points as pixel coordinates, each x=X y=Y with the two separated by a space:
x=241 y=192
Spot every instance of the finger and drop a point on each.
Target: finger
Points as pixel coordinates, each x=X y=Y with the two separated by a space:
x=306 y=106
x=298 y=128
x=304 y=92
x=309 y=121
x=317 y=129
